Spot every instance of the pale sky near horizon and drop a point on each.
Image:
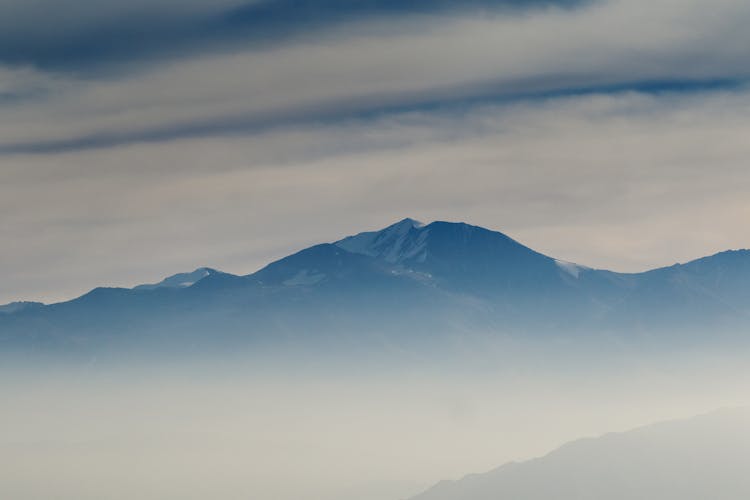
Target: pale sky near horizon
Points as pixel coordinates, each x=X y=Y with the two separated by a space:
x=141 y=139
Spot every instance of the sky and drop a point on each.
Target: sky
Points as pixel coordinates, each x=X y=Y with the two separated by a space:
x=144 y=138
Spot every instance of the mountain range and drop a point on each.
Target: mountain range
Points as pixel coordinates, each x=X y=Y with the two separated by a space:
x=406 y=281
x=692 y=459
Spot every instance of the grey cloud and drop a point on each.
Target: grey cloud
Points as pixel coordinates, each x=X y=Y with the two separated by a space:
x=369 y=68
x=457 y=99
x=88 y=35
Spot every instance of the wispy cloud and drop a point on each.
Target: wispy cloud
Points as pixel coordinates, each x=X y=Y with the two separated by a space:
x=369 y=65
x=91 y=35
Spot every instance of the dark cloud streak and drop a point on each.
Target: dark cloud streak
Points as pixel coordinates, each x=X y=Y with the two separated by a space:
x=101 y=44
x=445 y=100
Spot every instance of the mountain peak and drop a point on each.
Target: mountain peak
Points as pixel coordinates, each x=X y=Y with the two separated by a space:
x=394 y=243
x=408 y=222
x=456 y=243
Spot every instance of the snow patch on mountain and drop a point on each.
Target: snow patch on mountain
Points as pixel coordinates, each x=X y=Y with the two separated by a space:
x=401 y=241
x=570 y=268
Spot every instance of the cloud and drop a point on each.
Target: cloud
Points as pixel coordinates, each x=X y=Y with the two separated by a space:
x=369 y=67
x=89 y=35
x=253 y=123
x=91 y=32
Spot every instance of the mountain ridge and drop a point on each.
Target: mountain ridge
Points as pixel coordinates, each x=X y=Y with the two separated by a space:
x=409 y=276
x=692 y=458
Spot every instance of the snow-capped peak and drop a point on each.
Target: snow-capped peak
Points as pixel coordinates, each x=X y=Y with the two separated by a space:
x=409 y=222
x=398 y=242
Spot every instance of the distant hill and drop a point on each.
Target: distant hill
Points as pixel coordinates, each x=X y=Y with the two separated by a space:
x=701 y=458
x=407 y=280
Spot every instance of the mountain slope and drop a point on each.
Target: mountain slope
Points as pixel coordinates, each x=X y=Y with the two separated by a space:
x=695 y=459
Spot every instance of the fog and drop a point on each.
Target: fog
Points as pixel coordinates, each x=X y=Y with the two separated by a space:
x=688 y=459
x=235 y=428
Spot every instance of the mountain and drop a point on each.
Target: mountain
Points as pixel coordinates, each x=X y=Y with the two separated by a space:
x=15 y=307
x=408 y=281
x=694 y=459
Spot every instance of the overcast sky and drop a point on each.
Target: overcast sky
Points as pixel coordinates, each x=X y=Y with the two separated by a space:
x=144 y=138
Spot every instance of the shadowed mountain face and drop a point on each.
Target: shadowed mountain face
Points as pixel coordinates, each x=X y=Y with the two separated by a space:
x=695 y=459
x=408 y=281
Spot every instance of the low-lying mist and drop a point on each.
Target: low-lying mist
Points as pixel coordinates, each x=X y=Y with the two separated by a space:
x=380 y=427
